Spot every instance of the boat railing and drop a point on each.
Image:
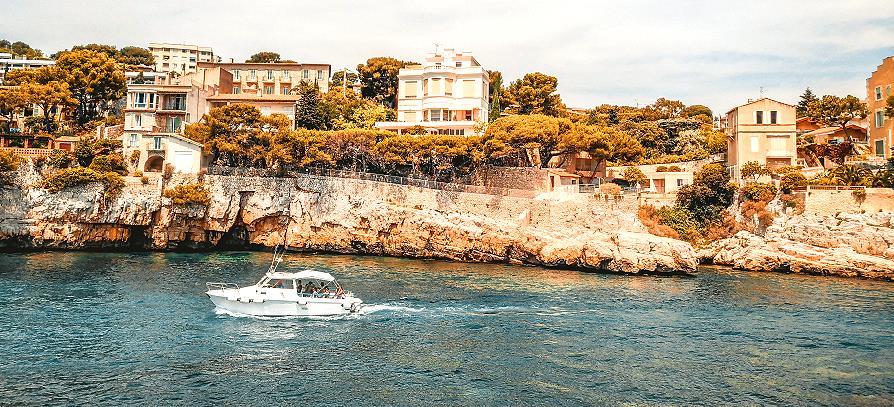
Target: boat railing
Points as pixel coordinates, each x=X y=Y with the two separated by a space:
x=222 y=286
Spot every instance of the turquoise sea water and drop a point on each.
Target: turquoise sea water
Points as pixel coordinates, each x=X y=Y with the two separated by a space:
x=125 y=329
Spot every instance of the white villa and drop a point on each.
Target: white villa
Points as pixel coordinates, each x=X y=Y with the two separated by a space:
x=447 y=94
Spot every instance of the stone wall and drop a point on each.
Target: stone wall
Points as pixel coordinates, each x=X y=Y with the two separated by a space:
x=831 y=202
x=529 y=178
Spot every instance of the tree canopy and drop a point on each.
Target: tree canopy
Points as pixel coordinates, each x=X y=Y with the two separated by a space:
x=803 y=107
x=837 y=111
x=21 y=49
x=264 y=57
x=535 y=93
x=378 y=77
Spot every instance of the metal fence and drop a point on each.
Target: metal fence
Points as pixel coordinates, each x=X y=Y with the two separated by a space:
x=366 y=176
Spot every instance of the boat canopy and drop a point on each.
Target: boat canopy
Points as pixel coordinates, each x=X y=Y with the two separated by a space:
x=301 y=275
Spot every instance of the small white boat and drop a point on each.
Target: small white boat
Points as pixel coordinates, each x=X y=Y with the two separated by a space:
x=303 y=293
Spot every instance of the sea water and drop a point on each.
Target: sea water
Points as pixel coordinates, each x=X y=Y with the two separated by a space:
x=125 y=329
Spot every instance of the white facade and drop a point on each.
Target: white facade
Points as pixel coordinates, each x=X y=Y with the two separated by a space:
x=8 y=63
x=179 y=58
x=447 y=94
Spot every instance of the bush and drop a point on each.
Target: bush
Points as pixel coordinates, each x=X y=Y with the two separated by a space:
x=610 y=189
x=135 y=157
x=754 y=170
x=112 y=162
x=787 y=169
x=634 y=176
x=661 y=168
x=9 y=161
x=791 y=181
x=759 y=192
x=138 y=173
x=60 y=159
x=709 y=194
x=188 y=194
x=69 y=177
x=168 y=172
x=144 y=179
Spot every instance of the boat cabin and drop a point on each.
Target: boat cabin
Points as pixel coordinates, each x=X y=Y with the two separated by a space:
x=306 y=283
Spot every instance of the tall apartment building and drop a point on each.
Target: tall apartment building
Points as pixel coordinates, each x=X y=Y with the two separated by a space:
x=764 y=131
x=8 y=63
x=447 y=94
x=878 y=90
x=180 y=58
x=278 y=78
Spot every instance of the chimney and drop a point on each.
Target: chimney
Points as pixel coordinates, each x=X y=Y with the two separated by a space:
x=231 y=60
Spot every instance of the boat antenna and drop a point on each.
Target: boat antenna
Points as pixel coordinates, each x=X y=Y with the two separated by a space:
x=278 y=256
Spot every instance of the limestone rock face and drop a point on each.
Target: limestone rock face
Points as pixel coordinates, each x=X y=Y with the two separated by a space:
x=853 y=245
x=344 y=216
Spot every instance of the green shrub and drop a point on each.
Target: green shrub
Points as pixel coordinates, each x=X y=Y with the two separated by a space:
x=787 y=169
x=791 y=181
x=188 y=194
x=9 y=161
x=60 y=159
x=883 y=179
x=759 y=192
x=135 y=157
x=112 y=162
x=661 y=168
x=69 y=177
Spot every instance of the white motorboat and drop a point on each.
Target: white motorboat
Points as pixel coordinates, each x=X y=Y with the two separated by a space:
x=303 y=293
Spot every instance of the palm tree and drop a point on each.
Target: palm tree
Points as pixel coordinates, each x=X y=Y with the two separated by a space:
x=852 y=175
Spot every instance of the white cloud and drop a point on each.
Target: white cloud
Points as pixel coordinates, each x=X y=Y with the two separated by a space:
x=716 y=53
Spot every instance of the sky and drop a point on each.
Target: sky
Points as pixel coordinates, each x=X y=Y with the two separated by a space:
x=716 y=53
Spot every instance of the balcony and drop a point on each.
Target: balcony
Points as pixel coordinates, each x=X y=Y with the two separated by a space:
x=174 y=106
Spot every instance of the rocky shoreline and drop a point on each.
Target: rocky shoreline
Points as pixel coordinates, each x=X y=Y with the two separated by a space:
x=844 y=244
x=340 y=216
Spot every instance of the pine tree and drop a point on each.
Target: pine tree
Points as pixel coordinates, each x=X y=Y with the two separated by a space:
x=804 y=105
x=307 y=113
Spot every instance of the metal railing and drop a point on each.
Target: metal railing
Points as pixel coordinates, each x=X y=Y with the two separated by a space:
x=366 y=176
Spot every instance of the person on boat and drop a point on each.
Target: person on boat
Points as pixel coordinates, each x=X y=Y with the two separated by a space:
x=339 y=292
x=299 y=287
x=325 y=290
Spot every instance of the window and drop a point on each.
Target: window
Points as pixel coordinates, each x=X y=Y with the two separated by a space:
x=448 y=88
x=435 y=86
x=134 y=140
x=425 y=87
x=888 y=90
x=175 y=102
x=286 y=90
x=269 y=74
x=253 y=74
x=285 y=74
x=410 y=89
x=681 y=182
x=879 y=118
x=140 y=100
x=759 y=117
x=173 y=124
x=755 y=144
x=138 y=120
x=237 y=90
x=268 y=89
x=435 y=115
x=773 y=116
x=459 y=64
x=236 y=74
x=305 y=74
x=878 y=93
x=319 y=75
x=437 y=64
x=880 y=148
x=778 y=146
x=468 y=88
x=156 y=143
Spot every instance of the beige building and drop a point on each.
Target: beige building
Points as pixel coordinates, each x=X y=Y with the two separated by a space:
x=154 y=116
x=763 y=131
x=180 y=58
x=447 y=94
x=878 y=89
x=279 y=78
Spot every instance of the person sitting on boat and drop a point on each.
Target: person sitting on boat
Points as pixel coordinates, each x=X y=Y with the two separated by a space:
x=298 y=286
x=339 y=292
x=310 y=288
x=325 y=290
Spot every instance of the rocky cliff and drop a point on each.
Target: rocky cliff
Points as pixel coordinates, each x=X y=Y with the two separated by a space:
x=845 y=244
x=344 y=216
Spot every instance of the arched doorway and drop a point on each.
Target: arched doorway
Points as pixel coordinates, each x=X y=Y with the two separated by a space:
x=154 y=164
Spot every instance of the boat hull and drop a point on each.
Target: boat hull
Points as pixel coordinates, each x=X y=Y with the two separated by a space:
x=306 y=306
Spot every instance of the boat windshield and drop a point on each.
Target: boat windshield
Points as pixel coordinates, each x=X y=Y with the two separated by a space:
x=278 y=283
x=317 y=288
